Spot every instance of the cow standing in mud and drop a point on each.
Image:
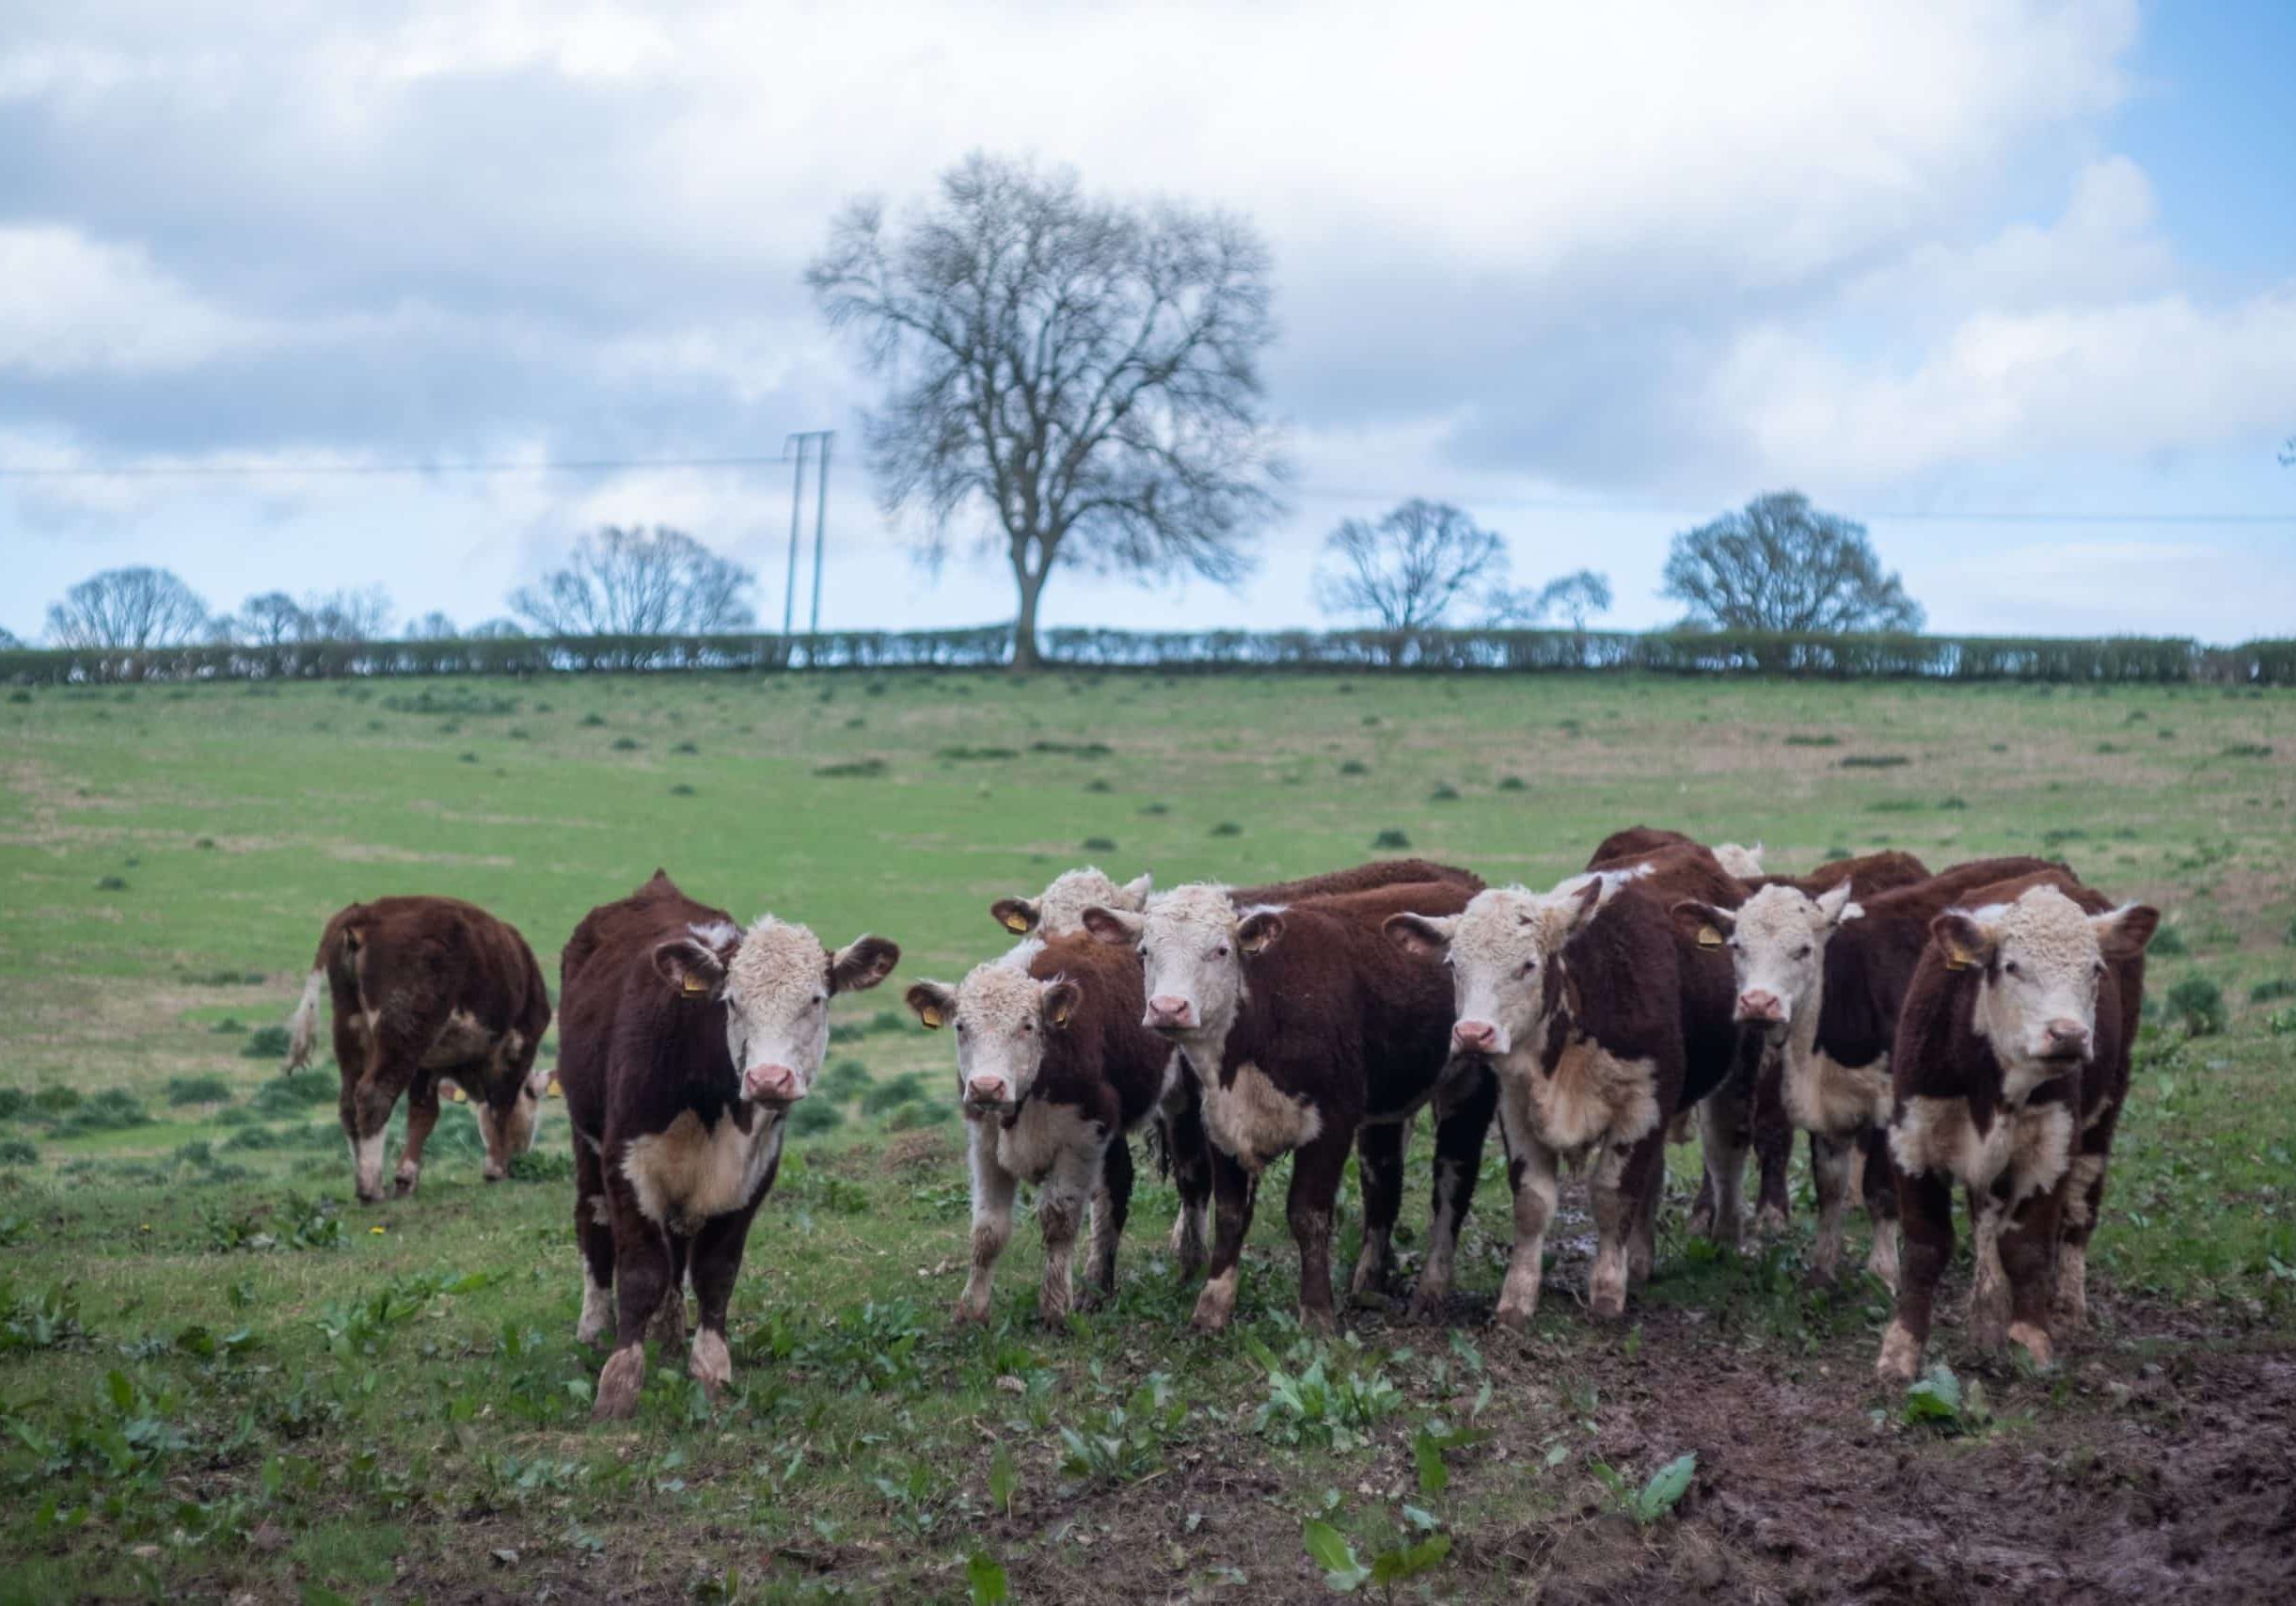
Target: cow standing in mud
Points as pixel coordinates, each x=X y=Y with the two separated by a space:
x=426 y=990
x=1309 y=1033
x=685 y=1040
x=2008 y=1071
x=1054 y=1069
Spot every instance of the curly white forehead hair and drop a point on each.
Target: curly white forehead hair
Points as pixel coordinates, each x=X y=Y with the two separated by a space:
x=1201 y=907
x=774 y=954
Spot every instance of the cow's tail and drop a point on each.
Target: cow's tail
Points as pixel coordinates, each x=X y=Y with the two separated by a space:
x=303 y=1025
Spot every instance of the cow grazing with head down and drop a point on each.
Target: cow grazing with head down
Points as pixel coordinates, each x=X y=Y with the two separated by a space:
x=1822 y=976
x=1053 y=1069
x=427 y=991
x=1307 y=1030
x=1574 y=996
x=684 y=1041
x=2008 y=1070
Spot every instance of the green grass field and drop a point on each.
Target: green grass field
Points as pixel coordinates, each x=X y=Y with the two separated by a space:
x=218 y=1375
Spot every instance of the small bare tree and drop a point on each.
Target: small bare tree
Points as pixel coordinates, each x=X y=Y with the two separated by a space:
x=1781 y=564
x=130 y=608
x=1087 y=374
x=271 y=619
x=1576 y=596
x=433 y=627
x=635 y=583
x=1407 y=571
x=352 y=615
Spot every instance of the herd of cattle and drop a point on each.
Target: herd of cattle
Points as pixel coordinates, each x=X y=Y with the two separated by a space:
x=1971 y=1027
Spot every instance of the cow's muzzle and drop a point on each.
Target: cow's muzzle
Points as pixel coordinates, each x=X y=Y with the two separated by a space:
x=773 y=1085
x=1477 y=1037
x=1166 y=1013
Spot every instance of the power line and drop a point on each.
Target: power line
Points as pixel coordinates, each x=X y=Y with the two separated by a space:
x=283 y=470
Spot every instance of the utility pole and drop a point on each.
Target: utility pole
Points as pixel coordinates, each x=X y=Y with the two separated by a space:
x=796 y=503
x=820 y=522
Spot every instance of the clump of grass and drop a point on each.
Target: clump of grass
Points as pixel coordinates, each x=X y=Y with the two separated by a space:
x=816 y=1115
x=1099 y=844
x=1897 y=806
x=207 y=1088
x=681 y=790
x=625 y=744
x=894 y=1092
x=111 y=1110
x=1444 y=792
x=1953 y=803
x=293 y=1095
x=539 y=1165
x=205 y=843
x=841 y=1083
x=265 y=1042
x=18 y=1152
x=2169 y=942
x=1228 y=828
x=1799 y=740
x=1513 y=784
x=1355 y=767
x=1875 y=761
x=1156 y=808
x=111 y=883
x=970 y=755
x=2196 y=1005
x=15 y=1103
x=592 y=721
x=686 y=747
x=56 y=1101
x=1097 y=783
x=1391 y=839
x=2248 y=749
x=1073 y=749
x=909 y=1117
x=853 y=769
x=2272 y=990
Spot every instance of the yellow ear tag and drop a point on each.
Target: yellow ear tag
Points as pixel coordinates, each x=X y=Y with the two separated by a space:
x=931 y=1016
x=458 y=1096
x=696 y=988
x=1709 y=937
x=1016 y=922
x=1959 y=958
x=551 y=1091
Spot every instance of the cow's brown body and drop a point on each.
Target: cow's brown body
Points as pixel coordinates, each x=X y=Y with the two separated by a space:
x=2041 y=1209
x=427 y=991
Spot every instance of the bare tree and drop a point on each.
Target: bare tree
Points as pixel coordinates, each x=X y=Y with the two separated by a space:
x=496 y=630
x=1577 y=597
x=1781 y=564
x=1408 y=570
x=636 y=582
x=433 y=627
x=349 y=616
x=268 y=620
x=10 y=640
x=133 y=608
x=1085 y=374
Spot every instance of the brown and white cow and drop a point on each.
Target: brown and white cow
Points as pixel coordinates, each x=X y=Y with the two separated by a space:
x=1054 y=1069
x=684 y=1042
x=1574 y=996
x=1822 y=976
x=2008 y=1070
x=1058 y=910
x=426 y=990
x=1309 y=1030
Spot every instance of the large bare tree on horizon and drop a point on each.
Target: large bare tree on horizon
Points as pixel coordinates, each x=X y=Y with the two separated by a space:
x=135 y=608
x=1407 y=570
x=1086 y=373
x=637 y=583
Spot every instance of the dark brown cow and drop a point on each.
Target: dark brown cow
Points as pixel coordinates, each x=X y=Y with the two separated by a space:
x=1304 y=1024
x=1053 y=1069
x=684 y=1041
x=427 y=989
x=2009 y=1068
x=1822 y=978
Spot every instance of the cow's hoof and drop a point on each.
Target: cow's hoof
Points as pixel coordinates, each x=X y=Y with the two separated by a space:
x=711 y=1364
x=1318 y=1319
x=1054 y=1317
x=495 y=1173
x=1900 y=1358
x=374 y=1198
x=1701 y=1224
x=403 y=1187
x=1514 y=1318
x=1769 y=1221
x=622 y=1375
x=2033 y=1342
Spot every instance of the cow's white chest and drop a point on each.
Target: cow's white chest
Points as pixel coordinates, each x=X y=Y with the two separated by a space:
x=1253 y=1120
x=2030 y=1147
x=1592 y=1097
x=688 y=1173
x=1040 y=1135
x=1822 y=1094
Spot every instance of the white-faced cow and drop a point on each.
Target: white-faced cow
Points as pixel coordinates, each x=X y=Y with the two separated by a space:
x=685 y=1041
x=2009 y=1067
x=1308 y=1029
x=1053 y=1069
x=427 y=991
x=1822 y=976
x=1058 y=910
x=1575 y=998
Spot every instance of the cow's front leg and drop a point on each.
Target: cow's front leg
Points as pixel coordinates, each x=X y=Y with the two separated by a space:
x=642 y=1282
x=1463 y=1119
x=1184 y=1148
x=1926 y=1211
x=1233 y=1192
x=1988 y=1298
x=2083 y=1198
x=2028 y=1255
x=715 y=1264
x=366 y=1107
x=992 y=1190
x=1061 y=1199
x=1616 y=1182
x=1112 y=1199
x=1721 y=1130
x=1830 y=1164
x=1379 y=1172
x=1530 y=1168
x=1880 y=1186
x=1315 y=1173
x=594 y=1235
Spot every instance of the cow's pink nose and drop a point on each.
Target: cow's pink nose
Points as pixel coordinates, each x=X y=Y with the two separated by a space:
x=771 y=1084
x=1759 y=1006
x=1476 y=1037
x=1167 y=1011
x=2070 y=1036
x=987 y=1088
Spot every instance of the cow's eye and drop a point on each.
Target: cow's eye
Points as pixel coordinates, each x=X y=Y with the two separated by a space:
x=1735 y=947
x=1529 y=966
x=2012 y=969
x=1802 y=952
x=1220 y=952
x=1028 y=1026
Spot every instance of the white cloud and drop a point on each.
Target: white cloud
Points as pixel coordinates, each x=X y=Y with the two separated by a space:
x=75 y=305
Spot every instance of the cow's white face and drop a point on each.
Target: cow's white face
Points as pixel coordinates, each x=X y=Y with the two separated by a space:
x=1776 y=941
x=1191 y=942
x=775 y=980
x=524 y=1112
x=1500 y=950
x=1001 y=1018
x=1737 y=860
x=2040 y=960
x=1060 y=912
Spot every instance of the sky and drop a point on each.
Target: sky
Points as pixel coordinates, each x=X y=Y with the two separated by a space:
x=2014 y=284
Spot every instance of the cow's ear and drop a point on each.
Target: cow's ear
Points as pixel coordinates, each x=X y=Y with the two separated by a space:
x=1702 y=922
x=1424 y=935
x=1138 y=888
x=1963 y=941
x=1117 y=928
x=690 y=965
x=861 y=963
x=537 y=1082
x=933 y=1002
x=1018 y=915
x=1590 y=898
x=1835 y=904
x=2123 y=932
x=1258 y=930
x=1060 y=998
